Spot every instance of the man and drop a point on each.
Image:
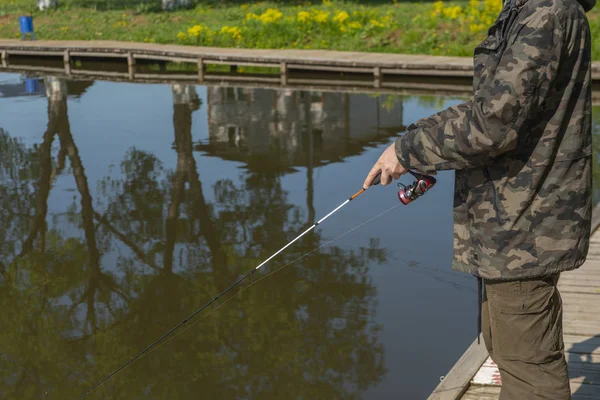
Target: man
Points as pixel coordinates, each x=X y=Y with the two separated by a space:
x=521 y=149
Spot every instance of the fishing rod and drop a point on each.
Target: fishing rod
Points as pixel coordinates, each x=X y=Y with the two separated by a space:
x=406 y=195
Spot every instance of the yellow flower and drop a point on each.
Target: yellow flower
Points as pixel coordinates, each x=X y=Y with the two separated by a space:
x=321 y=16
x=343 y=28
x=341 y=17
x=195 y=30
x=64 y=28
x=452 y=12
x=270 y=16
x=355 y=25
x=181 y=36
x=303 y=16
x=250 y=16
x=492 y=7
x=234 y=31
x=376 y=23
x=476 y=28
x=244 y=6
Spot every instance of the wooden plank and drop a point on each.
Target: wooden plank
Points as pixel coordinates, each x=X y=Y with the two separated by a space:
x=83 y=54
x=332 y=82
x=443 y=88
x=578 y=374
x=582 y=344
x=240 y=78
x=99 y=73
x=455 y=383
x=488 y=374
x=208 y=61
x=313 y=67
x=591 y=297
x=477 y=392
x=579 y=289
x=584 y=328
x=582 y=278
x=579 y=364
x=179 y=77
x=568 y=298
x=581 y=274
x=585 y=389
x=424 y=72
x=35 y=53
x=584 y=359
x=596 y=210
x=572 y=316
x=157 y=57
x=580 y=308
x=59 y=71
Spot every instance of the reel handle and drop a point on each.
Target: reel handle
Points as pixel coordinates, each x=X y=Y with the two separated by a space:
x=377 y=179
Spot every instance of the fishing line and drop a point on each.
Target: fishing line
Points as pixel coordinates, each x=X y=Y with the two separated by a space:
x=264 y=277
x=406 y=195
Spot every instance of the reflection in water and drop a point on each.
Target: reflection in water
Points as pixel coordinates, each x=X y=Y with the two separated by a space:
x=296 y=128
x=84 y=289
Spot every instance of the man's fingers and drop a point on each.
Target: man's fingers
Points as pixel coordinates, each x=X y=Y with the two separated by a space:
x=371 y=176
x=386 y=179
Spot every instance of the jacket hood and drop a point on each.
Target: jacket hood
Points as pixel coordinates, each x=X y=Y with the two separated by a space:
x=587 y=4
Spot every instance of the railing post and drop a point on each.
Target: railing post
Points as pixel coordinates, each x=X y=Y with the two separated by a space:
x=131 y=65
x=200 y=69
x=283 y=71
x=67 y=62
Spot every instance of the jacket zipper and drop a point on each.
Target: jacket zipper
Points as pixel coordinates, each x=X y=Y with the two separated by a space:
x=494 y=195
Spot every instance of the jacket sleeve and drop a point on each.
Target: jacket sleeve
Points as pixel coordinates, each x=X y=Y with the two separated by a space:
x=472 y=134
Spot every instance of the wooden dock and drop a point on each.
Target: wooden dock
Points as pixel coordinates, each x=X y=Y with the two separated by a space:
x=378 y=71
x=475 y=376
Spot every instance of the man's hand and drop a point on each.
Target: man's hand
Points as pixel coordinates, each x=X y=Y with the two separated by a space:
x=389 y=167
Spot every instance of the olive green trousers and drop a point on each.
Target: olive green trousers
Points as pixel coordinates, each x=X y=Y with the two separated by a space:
x=522 y=330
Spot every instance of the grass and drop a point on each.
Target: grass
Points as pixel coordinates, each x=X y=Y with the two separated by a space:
x=413 y=28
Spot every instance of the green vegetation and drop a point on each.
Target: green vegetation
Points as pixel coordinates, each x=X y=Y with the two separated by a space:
x=419 y=28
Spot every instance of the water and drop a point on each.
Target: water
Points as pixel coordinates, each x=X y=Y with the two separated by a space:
x=126 y=207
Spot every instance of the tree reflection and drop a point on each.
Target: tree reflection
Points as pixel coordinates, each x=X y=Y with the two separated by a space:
x=83 y=293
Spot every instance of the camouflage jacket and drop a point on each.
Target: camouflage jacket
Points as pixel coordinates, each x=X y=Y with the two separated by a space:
x=521 y=147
